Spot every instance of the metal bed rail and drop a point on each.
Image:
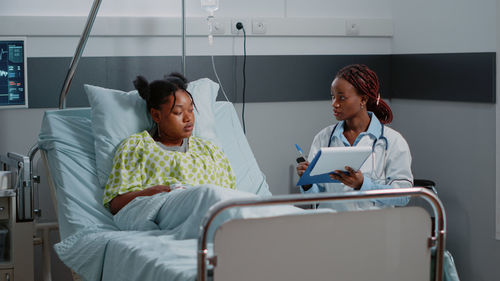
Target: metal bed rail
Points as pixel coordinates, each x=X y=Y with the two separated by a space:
x=437 y=240
x=24 y=183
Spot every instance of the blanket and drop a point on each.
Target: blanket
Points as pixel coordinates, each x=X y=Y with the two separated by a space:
x=175 y=216
x=155 y=236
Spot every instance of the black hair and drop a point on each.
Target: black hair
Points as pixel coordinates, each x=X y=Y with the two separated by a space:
x=156 y=92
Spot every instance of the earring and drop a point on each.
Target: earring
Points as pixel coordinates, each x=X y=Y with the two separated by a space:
x=158 y=129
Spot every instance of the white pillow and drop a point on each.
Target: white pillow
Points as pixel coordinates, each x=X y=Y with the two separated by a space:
x=204 y=92
x=116 y=115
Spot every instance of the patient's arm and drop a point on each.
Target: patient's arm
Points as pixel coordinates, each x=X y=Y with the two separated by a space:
x=121 y=200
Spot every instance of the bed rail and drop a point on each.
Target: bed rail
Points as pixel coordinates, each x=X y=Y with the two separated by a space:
x=23 y=184
x=83 y=41
x=437 y=240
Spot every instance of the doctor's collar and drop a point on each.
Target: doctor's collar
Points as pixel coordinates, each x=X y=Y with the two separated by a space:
x=374 y=129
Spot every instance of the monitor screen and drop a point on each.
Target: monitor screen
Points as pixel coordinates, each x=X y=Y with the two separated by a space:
x=13 y=80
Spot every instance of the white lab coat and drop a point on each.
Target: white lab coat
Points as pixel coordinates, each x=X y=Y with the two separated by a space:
x=384 y=168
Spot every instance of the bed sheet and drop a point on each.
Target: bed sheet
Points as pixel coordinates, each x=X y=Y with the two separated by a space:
x=67 y=142
x=233 y=141
x=172 y=255
x=150 y=256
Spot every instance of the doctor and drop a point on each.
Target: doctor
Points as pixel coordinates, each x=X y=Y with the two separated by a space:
x=362 y=114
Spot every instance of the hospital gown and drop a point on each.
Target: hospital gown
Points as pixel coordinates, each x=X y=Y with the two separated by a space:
x=140 y=163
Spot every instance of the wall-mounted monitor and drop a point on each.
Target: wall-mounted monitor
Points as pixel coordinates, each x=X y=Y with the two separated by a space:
x=13 y=73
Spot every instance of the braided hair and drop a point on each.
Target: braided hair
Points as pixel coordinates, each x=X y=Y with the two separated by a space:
x=365 y=81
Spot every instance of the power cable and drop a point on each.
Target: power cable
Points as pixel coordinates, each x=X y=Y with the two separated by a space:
x=239 y=26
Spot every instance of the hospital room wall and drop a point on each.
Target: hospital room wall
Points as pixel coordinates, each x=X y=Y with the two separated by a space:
x=272 y=143
x=469 y=202
x=455 y=144
x=497 y=170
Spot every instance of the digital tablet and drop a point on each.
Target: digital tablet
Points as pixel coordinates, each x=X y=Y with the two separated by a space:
x=336 y=158
x=329 y=159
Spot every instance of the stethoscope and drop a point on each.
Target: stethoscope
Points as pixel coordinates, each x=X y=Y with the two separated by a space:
x=381 y=137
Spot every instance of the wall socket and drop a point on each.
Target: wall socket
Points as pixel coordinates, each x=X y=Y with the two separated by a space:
x=259 y=27
x=351 y=27
x=246 y=25
x=218 y=27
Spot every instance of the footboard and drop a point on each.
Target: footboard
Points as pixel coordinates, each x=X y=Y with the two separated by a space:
x=387 y=244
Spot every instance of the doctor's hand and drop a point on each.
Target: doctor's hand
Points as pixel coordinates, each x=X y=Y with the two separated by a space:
x=301 y=168
x=352 y=178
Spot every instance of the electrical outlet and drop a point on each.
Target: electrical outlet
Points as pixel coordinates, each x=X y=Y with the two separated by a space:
x=246 y=25
x=218 y=27
x=351 y=27
x=259 y=27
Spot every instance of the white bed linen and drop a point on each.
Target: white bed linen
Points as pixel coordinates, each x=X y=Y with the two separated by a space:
x=66 y=140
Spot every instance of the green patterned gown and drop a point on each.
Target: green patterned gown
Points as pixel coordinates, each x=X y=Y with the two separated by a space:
x=140 y=162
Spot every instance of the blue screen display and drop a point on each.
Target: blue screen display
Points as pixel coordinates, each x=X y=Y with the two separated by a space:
x=12 y=74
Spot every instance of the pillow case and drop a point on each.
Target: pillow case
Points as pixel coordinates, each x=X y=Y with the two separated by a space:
x=116 y=115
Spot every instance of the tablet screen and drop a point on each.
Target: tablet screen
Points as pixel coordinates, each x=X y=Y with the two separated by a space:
x=336 y=158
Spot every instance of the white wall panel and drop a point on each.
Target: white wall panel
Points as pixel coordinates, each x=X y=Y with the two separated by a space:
x=444 y=26
x=339 y=8
x=227 y=8
x=450 y=140
x=171 y=46
x=265 y=8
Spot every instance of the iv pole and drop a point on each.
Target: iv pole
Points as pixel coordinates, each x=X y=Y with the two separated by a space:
x=83 y=42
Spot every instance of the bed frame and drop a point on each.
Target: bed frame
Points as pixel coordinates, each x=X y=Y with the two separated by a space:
x=395 y=241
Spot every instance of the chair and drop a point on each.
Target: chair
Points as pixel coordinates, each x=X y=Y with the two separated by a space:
x=431 y=185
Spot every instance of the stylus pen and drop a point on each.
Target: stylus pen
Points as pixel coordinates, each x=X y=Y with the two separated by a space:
x=301 y=158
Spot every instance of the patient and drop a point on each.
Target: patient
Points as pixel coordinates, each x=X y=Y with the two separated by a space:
x=168 y=157
x=167 y=179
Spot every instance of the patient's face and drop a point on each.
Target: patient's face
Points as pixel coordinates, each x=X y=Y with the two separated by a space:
x=175 y=123
x=346 y=101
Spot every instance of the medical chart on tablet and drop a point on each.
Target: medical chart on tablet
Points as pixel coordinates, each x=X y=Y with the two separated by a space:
x=329 y=159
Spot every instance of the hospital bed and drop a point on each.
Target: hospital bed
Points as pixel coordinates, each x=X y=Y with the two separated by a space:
x=388 y=244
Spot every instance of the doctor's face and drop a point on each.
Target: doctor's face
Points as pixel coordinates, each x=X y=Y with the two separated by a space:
x=346 y=101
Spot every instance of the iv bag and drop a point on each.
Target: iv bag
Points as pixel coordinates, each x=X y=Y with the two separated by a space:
x=210 y=6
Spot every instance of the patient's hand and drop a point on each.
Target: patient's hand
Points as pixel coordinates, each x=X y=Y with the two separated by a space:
x=121 y=200
x=157 y=189
x=301 y=168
